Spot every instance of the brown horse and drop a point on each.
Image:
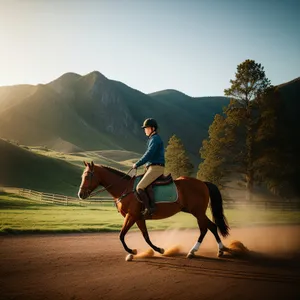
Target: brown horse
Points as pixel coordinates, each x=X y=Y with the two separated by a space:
x=193 y=198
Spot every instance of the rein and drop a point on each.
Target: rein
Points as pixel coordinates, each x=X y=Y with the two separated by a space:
x=110 y=185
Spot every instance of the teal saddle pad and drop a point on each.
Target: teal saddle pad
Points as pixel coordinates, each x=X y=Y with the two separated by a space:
x=162 y=193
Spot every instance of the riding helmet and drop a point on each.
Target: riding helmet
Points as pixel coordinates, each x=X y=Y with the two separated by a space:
x=150 y=123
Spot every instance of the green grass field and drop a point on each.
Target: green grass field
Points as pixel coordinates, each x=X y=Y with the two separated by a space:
x=20 y=215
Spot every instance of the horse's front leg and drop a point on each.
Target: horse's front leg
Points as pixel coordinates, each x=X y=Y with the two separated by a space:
x=128 y=222
x=142 y=226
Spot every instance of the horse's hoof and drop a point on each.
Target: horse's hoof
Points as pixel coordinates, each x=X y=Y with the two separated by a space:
x=134 y=251
x=161 y=250
x=224 y=248
x=220 y=253
x=129 y=257
x=190 y=255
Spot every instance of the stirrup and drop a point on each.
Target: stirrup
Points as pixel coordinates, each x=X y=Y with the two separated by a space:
x=148 y=212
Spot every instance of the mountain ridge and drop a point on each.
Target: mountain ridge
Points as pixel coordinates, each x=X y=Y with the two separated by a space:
x=92 y=112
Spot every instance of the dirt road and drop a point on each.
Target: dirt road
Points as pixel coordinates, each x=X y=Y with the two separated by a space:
x=93 y=266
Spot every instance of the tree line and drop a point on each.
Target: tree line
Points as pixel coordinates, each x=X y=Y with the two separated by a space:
x=252 y=141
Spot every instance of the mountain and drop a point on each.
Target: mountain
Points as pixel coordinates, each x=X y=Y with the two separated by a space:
x=76 y=113
x=287 y=136
x=23 y=168
x=92 y=112
x=290 y=94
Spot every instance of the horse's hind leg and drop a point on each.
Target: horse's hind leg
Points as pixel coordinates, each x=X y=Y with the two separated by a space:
x=214 y=230
x=142 y=226
x=202 y=223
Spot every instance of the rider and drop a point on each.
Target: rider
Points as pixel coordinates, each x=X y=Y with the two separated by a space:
x=154 y=158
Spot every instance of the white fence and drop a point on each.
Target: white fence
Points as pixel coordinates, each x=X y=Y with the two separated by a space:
x=57 y=199
x=54 y=198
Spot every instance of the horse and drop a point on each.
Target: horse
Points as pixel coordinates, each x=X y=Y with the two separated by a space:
x=193 y=198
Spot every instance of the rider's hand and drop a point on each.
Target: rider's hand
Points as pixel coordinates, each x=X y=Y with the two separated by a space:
x=134 y=166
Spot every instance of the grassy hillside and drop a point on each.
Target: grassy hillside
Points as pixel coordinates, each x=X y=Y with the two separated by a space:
x=23 y=168
x=115 y=158
x=45 y=170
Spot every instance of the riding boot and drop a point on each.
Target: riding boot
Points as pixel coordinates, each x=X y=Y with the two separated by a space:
x=144 y=198
x=150 y=194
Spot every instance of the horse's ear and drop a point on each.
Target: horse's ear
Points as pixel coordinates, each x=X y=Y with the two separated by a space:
x=85 y=163
x=92 y=164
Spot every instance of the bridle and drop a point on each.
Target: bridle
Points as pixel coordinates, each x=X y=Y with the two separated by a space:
x=90 y=178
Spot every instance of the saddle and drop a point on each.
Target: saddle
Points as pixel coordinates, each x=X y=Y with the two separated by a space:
x=163 y=189
x=163 y=180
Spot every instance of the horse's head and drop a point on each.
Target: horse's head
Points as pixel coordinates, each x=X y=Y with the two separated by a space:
x=89 y=182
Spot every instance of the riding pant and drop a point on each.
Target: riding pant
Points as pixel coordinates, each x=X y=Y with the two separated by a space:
x=152 y=173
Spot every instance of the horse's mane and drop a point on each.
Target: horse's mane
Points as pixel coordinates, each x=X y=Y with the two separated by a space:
x=117 y=171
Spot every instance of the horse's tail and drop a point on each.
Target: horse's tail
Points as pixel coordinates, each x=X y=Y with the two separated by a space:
x=217 y=209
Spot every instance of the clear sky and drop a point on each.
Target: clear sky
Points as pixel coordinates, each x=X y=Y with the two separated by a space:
x=193 y=46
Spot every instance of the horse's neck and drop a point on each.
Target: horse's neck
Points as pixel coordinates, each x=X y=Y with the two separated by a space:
x=114 y=182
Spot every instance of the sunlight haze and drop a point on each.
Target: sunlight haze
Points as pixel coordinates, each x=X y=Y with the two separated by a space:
x=190 y=46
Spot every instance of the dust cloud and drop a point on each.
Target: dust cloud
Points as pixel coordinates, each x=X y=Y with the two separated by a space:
x=147 y=253
x=247 y=235
x=270 y=241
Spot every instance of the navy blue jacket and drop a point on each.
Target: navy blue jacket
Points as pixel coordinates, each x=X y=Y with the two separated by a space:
x=155 y=153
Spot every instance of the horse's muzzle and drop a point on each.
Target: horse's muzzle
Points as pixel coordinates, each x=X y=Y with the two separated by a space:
x=83 y=194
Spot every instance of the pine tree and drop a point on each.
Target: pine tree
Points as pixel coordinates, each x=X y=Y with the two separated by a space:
x=250 y=83
x=267 y=145
x=222 y=153
x=234 y=135
x=177 y=160
x=213 y=153
x=275 y=165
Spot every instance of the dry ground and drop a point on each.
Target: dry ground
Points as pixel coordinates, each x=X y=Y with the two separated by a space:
x=93 y=266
